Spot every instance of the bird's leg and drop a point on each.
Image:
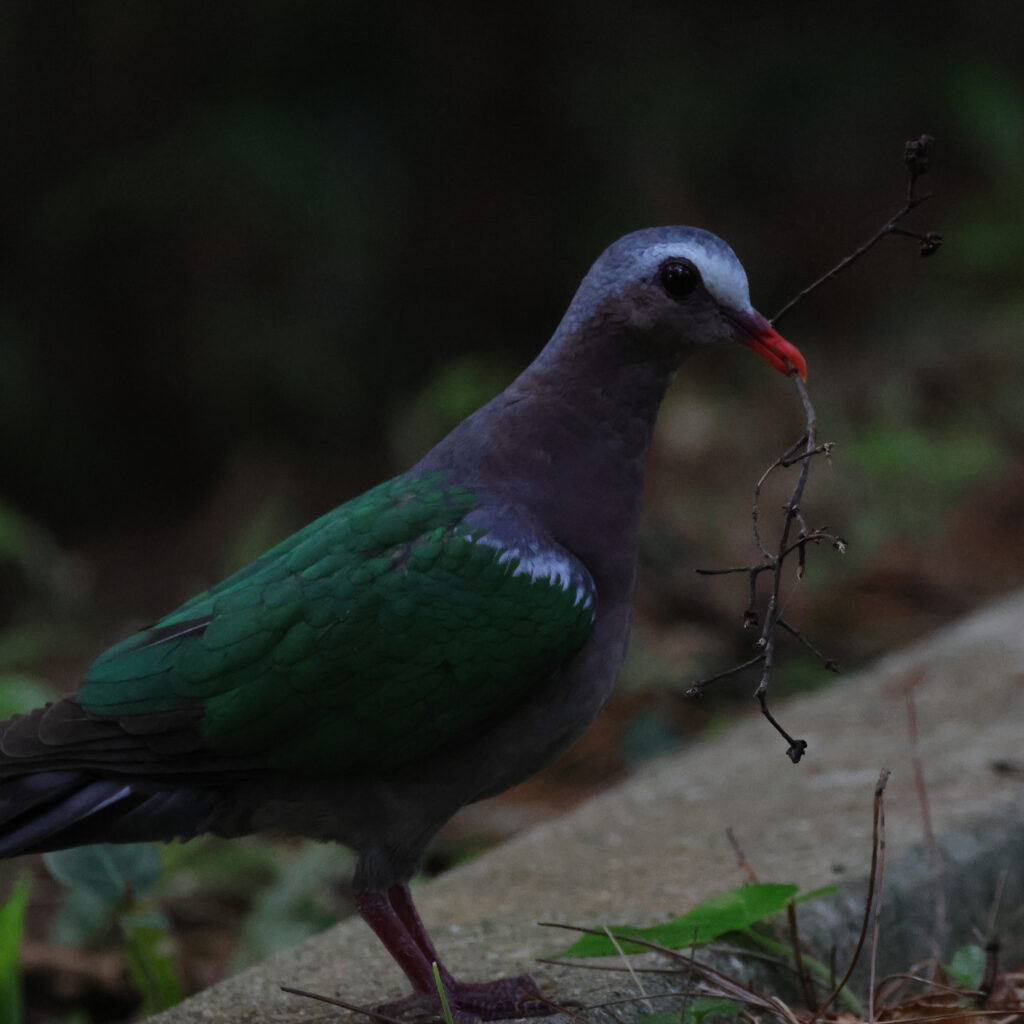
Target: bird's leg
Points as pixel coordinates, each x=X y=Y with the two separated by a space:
x=401 y=901
x=402 y=942
x=393 y=917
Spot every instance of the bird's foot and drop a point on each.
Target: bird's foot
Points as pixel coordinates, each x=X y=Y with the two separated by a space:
x=470 y=1002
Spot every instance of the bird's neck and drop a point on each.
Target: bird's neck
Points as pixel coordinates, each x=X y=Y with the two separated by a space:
x=568 y=441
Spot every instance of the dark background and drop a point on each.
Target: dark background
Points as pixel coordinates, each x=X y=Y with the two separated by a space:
x=256 y=257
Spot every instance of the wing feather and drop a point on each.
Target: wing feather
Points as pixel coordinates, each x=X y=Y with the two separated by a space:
x=376 y=635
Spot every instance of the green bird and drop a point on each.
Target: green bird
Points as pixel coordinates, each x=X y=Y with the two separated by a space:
x=427 y=644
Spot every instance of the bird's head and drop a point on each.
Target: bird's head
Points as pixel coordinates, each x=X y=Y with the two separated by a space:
x=675 y=288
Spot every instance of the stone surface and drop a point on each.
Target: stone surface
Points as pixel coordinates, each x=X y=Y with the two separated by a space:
x=652 y=848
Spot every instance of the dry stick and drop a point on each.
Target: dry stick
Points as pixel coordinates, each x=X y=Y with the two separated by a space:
x=573 y=1010
x=774 y=562
x=768 y=632
x=931 y=241
x=939 y=929
x=991 y=942
x=722 y=983
x=916 y=155
x=806 y=986
x=741 y=857
x=635 y=999
x=603 y=967
x=883 y=778
x=688 y=996
x=878 y=910
x=351 y=1007
x=636 y=979
x=828 y=663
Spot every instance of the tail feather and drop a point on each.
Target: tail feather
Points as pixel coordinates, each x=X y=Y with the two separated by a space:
x=56 y=810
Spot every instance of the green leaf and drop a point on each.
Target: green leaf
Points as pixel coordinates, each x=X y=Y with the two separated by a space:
x=661 y=1017
x=446 y=1011
x=813 y=894
x=82 y=917
x=12 y=925
x=696 y=1012
x=713 y=1006
x=729 y=912
x=967 y=968
x=109 y=872
x=150 y=958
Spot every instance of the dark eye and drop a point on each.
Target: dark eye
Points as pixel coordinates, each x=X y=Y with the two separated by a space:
x=679 y=279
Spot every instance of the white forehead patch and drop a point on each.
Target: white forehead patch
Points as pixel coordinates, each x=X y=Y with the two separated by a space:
x=723 y=274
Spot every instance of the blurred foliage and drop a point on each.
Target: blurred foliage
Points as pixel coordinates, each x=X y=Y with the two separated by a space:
x=459 y=388
x=19 y=694
x=912 y=472
x=12 y=927
x=107 y=889
x=299 y=903
x=967 y=967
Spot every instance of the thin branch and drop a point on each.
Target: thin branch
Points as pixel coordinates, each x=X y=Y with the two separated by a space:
x=806 y=985
x=827 y=662
x=991 y=942
x=795 y=535
x=625 y=959
x=695 y=689
x=916 y=156
x=880 y=846
x=718 y=982
x=741 y=858
x=939 y=927
x=333 y=1001
x=822 y=1009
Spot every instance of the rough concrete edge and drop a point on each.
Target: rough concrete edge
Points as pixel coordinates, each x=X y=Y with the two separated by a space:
x=928 y=905
x=973 y=866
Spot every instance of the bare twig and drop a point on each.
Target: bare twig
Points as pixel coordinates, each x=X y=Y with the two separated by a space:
x=773 y=563
x=806 y=985
x=880 y=847
x=333 y=1001
x=939 y=929
x=717 y=983
x=741 y=857
x=916 y=155
x=629 y=967
x=822 y=1009
x=827 y=663
x=774 y=555
x=991 y=942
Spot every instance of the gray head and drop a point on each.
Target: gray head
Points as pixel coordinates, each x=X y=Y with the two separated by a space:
x=662 y=291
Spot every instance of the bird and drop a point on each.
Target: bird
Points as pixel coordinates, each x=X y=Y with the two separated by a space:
x=425 y=645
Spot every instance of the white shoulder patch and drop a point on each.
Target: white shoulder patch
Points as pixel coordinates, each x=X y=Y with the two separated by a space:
x=544 y=564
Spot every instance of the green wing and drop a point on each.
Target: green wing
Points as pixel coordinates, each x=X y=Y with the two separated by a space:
x=370 y=638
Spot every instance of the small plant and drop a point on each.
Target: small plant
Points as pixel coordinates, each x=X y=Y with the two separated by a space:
x=12 y=926
x=107 y=887
x=446 y=1011
x=734 y=911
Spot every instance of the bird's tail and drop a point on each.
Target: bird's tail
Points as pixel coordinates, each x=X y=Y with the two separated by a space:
x=59 y=809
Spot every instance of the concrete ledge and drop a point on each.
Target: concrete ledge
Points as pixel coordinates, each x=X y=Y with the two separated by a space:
x=655 y=846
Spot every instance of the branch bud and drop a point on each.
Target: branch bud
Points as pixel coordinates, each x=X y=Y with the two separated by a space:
x=916 y=154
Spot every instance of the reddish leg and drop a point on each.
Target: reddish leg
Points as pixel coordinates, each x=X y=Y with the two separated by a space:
x=396 y=922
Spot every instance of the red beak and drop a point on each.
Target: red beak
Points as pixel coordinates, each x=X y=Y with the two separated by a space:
x=756 y=332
